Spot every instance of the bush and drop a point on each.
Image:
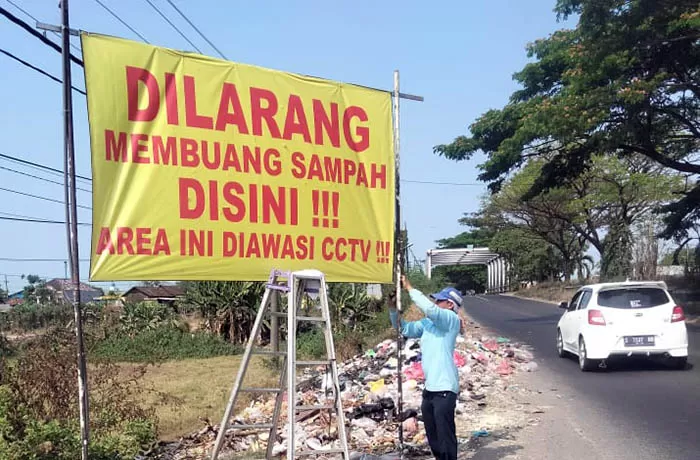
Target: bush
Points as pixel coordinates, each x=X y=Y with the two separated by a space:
x=161 y=344
x=311 y=344
x=39 y=413
x=146 y=316
x=6 y=348
x=31 y=316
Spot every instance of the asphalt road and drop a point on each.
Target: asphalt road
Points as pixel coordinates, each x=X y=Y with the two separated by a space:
x=645 y=409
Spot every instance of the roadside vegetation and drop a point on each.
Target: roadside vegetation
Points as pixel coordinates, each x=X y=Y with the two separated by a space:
x=592 y=164
x=157 y=371
x=592 y=170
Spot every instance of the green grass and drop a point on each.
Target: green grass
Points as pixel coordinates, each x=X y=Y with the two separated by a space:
x=162 y=344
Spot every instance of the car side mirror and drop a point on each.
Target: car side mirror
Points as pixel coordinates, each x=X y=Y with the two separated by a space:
x=564 y=305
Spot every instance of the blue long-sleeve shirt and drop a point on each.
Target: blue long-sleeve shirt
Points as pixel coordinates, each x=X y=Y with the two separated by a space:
x=438 y=333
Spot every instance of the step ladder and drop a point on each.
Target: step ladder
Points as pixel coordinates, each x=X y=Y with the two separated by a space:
x=301 y=288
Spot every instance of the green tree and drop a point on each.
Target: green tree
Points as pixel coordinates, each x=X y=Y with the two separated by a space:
x=530 y=256
x=227 y=307
x=549 y=216
x=687 y=256
x=466 y=277
x=151 y=283
x=624 y=81
x=350 y=304
x=36 y=290
x=608 y=198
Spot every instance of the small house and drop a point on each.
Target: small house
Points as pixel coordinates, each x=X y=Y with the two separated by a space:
x=161 y=294
x=62 y=290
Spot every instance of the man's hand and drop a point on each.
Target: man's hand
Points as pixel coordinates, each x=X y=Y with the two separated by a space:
x=405 y=283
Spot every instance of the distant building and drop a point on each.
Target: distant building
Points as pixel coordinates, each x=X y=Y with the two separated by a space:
x=62 y=290
x=160 y=294
x=15 y=298
x=670 y=270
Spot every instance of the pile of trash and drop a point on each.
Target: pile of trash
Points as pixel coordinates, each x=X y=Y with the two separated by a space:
x=369 y=392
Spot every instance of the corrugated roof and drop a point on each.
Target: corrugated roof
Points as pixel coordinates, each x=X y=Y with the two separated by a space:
x=461 y=256
x=157 y=291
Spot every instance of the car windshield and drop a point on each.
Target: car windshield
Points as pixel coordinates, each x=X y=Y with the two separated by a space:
x=632 y=298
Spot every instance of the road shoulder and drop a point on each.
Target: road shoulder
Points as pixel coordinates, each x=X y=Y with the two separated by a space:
x=549 y=425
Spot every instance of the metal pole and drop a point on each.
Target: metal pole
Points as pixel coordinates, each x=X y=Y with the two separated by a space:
x=7 y=288
x=292 y=306
x=72 y=227
x=398 y=251
x=274 y=328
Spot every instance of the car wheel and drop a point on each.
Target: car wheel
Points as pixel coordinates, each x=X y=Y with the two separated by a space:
x=679 y=363
x=560 y=345
x=584 y=363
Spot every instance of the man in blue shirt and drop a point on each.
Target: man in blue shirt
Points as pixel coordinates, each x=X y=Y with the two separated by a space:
x=438 y=333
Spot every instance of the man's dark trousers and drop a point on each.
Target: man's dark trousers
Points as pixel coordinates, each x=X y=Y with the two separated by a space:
x=439 y=418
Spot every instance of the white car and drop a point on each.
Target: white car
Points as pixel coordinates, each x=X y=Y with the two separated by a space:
x=622 y=319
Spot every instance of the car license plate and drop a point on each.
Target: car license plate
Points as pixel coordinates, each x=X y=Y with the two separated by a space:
x=640 y=341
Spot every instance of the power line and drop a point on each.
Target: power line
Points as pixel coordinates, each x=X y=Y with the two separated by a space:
x=41 y=178
x=36 y=220
x=196 y=29
x=460 y=184
x=173 y=25
x=37 y=69
x=16 y=215
x=36 y=34
x=36 y=20
x=13 y=259
x=116 y=16
x=38 y=197
x=58 y=171
x=39 y=166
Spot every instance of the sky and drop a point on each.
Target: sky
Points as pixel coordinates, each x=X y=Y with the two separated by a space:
x=459 y=55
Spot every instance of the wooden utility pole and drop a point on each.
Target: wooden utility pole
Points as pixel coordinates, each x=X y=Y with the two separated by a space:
x=72 y=228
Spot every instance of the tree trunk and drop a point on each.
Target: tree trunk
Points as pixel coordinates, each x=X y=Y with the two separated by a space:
x=616 y=258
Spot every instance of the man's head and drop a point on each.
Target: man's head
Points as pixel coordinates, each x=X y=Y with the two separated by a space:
x=449 y=298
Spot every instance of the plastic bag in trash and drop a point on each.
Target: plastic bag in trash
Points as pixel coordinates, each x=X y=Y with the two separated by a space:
x=361 y=456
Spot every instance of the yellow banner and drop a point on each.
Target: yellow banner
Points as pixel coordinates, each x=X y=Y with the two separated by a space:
x=205 y=169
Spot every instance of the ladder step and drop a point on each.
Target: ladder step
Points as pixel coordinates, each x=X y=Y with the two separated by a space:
x=313 y=363
x=269 y=352
x=259 y=426
x=320 y=452
x=311 y=318
x=278 y=287
x=260 y=390
x=315 y=407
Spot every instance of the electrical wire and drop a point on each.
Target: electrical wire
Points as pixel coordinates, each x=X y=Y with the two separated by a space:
x=47 y=168
x=458 y=184
x=37 y=220
x=173 y=25
x=196 y=29
x=40 y=166
x=37 y=69
x=41 y=178
x=124 y=23
x=17 y=215
x=36 y=34
x=12 y=259
x=39 y=197
x=19 y=8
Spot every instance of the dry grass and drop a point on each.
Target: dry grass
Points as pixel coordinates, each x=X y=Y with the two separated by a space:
x=551 y=292
x=198 y=388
